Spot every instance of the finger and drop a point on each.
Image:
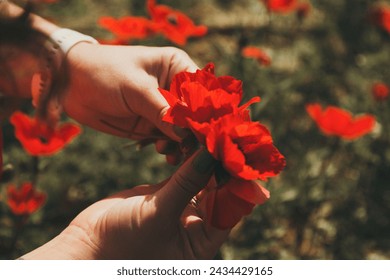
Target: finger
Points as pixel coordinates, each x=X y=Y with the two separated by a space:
x=173 y=61
x=174 y=159
x=179 y=61
x=205 y=239
x=152 y=106
x=166 y=146
x=170 y=149
x=187 y=181
x=163 y=64
x=99 y=121
x=139 y=190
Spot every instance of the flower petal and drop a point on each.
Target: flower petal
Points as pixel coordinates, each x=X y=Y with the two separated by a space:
x=225 y=210
x=250 y=191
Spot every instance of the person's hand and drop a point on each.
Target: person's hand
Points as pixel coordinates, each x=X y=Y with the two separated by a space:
x=146 y=222
x=114 y=89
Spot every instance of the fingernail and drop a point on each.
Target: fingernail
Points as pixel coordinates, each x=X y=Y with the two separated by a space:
x=203 y=162
x=181 y=132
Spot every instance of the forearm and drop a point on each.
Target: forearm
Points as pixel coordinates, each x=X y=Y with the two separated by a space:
x=71 y=244
x=37 y=23
x=21 y=49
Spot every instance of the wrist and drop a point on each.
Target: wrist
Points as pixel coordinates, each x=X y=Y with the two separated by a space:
x=53 y=79
x=71 y=244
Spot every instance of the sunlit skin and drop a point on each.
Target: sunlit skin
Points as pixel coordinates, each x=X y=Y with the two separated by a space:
x=115 y=89
x=124 y=226
x=130 y=107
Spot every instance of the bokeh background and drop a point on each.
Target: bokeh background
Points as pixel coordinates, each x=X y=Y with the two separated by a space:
x=332 y=201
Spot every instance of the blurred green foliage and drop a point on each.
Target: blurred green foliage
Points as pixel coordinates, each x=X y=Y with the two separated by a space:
x=333 y=199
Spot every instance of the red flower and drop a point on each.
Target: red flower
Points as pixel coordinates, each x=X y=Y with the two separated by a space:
x=25 y=200
x=380 y=91
x=280 y=6
x=228 y=204
x=215 y=96
x=210 y=107
x=338 y=122
x=258 y=54
x=173 y=24
x=127 y=28
x=380 y=16
x=245 y=148
x=38 y=139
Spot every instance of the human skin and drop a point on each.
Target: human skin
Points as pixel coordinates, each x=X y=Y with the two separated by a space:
x=146 y=222
x=113 y=89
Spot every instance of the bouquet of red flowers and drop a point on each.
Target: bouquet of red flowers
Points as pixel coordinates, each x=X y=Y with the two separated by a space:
x=210 y=107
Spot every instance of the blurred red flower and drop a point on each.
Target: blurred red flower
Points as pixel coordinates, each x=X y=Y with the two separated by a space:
x=127 y=28
x=380 y=91
x=280 y=6
x=256 y=53
x=338 y=122
x=38 y=139
x=173 y=24
x=380 y=16
x=228 y=204
x=24 y=200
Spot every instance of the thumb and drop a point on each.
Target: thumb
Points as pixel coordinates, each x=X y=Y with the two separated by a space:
x=185 y=183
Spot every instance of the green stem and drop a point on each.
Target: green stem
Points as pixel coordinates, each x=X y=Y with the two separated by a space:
x=35 y=170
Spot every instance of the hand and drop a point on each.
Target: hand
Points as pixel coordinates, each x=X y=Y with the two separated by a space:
x=114 y=89
x=145 y=222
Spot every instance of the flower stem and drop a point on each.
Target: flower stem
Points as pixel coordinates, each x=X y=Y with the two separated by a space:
x=35 y=170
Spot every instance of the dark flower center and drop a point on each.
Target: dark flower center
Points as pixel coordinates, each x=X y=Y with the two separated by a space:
x=43 y=139
x=172 y=19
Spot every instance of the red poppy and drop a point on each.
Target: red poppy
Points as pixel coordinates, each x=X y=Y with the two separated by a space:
x=201 y=97
x=173 y=24
x=25 y=200
x=280 y=6
x=38 y=139
x=128 y=27
x=210 y=107
x=380 y=91
x=338 y=122
x=227 y=204
x=258 y=54
x=245 y=148
x=380 y=16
